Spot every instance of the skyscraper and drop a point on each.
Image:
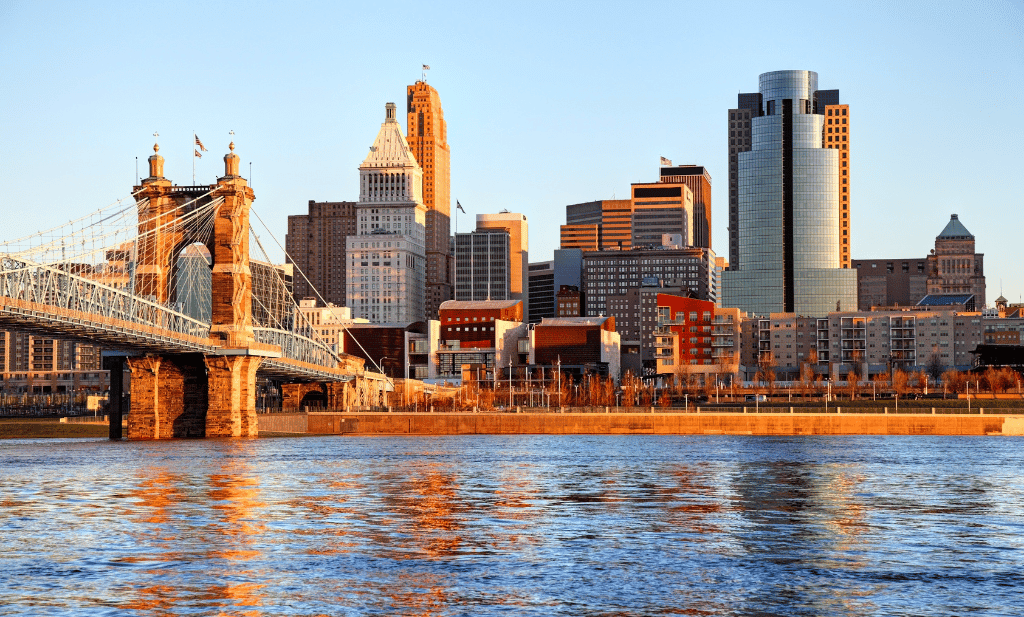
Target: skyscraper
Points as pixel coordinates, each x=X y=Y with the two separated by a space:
x=788 y=210
x=698 y=180
x=387 y=260
x=428 y=140
x=519 y=252
x=315 y=243
x=835 y=135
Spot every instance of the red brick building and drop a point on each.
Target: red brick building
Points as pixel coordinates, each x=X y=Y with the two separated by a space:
x=690 y=321
x=479 y=333
x=587 y=343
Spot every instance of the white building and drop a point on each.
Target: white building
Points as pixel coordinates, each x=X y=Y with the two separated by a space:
x=386 y=262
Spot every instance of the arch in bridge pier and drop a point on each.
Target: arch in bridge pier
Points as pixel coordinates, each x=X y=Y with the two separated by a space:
x=169 y=396
x=189 y=395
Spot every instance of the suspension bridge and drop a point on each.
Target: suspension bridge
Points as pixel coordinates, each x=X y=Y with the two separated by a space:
x=165 y=276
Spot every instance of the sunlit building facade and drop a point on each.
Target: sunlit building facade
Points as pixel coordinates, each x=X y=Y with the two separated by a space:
x=789 y=209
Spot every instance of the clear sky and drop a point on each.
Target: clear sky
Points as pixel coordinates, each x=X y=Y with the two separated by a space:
x=547 y=104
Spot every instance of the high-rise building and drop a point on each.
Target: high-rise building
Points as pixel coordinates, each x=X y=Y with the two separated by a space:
x=748 y=107
x=542 y=291
x=519 y=253
x=428 y=139
x=954 y=267
x=612 y=273
x=598 y=225
x=386 y=260
x=482 y=265
x=315 y=244
x=789 y=217
x=661 y=208
x=835 y=134
x=837 y=137
x=698 y=180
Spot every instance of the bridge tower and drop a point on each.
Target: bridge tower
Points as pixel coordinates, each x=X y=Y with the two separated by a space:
x=198 y=395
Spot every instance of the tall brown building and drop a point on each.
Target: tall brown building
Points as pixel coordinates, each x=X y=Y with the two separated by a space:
x=428 y=139
x=698 y=180
x=837 y=137
x=315 y=243
x=613 y=219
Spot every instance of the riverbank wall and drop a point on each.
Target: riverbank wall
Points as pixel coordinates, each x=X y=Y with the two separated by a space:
x=486 y=423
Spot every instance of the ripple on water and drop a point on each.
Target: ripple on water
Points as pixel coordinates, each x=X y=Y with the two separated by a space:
x=541 y=525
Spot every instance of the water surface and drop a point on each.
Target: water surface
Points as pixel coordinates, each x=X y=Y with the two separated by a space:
x=513 y=525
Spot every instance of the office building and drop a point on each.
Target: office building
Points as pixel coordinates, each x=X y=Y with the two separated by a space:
x=613 y=273
x=789 y=216
x=542 y=290
x=519 y=255
x=698 y=180
x=598 y=225
x=954 y=266
x=483 y=265
x=570 y=302
x=834 y=134
x=315 y=244
x=386 y=259
x=659 y=209
x=890 y=282
x=427 y=136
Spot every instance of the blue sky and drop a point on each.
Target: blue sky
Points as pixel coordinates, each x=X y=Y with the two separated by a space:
x=547 y=105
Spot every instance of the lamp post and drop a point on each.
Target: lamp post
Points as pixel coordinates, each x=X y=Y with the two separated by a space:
x=559 y=365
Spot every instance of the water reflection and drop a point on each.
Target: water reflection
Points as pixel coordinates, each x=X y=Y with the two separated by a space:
x=516 y=525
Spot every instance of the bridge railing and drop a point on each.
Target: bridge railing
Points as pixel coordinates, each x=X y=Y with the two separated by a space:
x=56 y=288
x=297 y=347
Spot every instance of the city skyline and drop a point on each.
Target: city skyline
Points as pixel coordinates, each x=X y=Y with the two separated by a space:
x=581 y=128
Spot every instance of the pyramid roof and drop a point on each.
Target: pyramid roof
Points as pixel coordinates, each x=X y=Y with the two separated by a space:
x=955 y=230
x=390 y=149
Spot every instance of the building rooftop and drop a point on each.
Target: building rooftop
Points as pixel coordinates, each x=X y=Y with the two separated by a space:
x=955 y=230
x=450 y=305
x=573 y=321
x=965 y=300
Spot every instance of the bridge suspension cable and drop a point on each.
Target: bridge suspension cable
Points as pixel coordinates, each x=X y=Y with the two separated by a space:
x=315 y=291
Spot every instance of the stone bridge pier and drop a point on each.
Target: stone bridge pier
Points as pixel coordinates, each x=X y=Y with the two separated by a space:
x=199 y=395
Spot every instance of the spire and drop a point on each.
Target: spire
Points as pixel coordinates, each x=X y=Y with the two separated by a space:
x=390 y=148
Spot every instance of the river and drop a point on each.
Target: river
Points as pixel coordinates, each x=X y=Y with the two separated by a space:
x=513 y=525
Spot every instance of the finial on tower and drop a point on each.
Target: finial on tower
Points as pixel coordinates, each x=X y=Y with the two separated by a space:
x=156 y=162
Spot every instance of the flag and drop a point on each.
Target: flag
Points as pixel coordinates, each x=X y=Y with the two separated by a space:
x=459 y=206
x=665 y=162
x=200 y=144
x=199 y=155
x=426 y=67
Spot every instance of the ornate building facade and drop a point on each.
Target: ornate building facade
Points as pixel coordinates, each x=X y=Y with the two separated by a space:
x=386 y=260
x=428 y=139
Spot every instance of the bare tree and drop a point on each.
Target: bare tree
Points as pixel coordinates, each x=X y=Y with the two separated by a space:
x=899 y=382
x=955 y=381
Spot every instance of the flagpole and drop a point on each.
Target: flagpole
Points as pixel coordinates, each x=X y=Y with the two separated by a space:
x=193 y=146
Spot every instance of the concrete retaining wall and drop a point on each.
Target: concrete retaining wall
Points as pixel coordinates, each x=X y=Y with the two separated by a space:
x=328 y=423
x=282 y=422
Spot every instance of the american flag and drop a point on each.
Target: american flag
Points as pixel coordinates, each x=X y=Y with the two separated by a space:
x=459 y=206
x=199 y=155
x=201 y=146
